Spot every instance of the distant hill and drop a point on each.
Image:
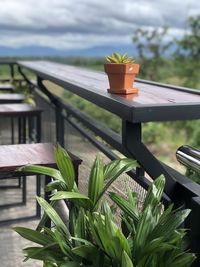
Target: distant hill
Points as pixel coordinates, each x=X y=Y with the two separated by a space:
x=98 y=51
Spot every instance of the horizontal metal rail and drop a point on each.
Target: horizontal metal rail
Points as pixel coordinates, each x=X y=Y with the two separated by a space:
x=86 y=132
x=189 y=157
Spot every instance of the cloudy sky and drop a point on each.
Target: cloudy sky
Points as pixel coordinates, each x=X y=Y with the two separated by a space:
x=75 y=24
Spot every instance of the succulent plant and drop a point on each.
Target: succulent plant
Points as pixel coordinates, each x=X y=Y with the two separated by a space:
x=116 y=58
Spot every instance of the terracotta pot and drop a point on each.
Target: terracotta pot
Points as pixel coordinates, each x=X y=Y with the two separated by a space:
x=121 y=78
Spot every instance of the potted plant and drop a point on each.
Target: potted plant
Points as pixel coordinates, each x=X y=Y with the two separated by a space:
x=147 y=238
x=121 y=71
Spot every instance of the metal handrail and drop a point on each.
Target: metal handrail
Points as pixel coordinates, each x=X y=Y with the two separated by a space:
x=189 y=157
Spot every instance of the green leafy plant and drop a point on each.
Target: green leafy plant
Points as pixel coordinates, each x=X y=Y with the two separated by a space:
x=116 y=58
x=147 y=238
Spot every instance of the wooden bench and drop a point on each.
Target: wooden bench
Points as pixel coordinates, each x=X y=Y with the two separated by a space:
x=15 y=156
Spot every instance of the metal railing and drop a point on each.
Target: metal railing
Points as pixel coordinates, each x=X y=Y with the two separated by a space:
x=189 y=157
x=184 y=192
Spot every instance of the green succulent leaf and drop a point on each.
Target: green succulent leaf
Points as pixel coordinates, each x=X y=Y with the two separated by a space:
x=116 y=58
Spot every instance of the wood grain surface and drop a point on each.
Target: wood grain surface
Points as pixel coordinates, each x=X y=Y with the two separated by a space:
x=18 y=109
x=14 y=156
x=11 y=98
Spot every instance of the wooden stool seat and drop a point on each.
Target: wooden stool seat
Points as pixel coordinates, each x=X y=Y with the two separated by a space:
x=6 y=87
x=18 y=110
x=15 y=156
x=11 y=98
x=25 y=114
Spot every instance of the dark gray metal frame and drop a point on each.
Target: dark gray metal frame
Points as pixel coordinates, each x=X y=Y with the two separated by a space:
x=179 y=189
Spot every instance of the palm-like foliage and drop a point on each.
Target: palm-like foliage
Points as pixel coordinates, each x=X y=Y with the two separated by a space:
x=146 y=239
x=153 y=234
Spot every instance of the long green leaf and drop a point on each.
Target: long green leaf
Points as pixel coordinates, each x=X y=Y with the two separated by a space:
x=61 y=240
x=53 y=215
x=49 y=264
x=56 y=185
x=77 y=198
x=45 y=218
x=155 y=192
x=47 y=253
x=71 y=264
x=116 y=167
x=125 y=206
x=126 y=261
x=88 y=252
x=96 y=180
x=144 y=228
x=111 y=174
x=33 y=235
x=42 y=170
x=65 y=166
x=68 y=195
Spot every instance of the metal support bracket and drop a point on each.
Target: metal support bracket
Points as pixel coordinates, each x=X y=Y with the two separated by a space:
x=132 y=140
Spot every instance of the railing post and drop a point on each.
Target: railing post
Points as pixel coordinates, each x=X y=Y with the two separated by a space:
x=60 y=132
x=12 y=72
x=132 y=141
x=195 y=229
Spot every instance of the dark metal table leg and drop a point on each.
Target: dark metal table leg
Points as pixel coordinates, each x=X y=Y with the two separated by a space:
x=38 y=127
x=30 y=129
x=48 y=179
x=19 y=182
x=38 y=193
x=19 y=131
x=12 y=131
x=24 y=189
x=24 y=130
x=76 y=168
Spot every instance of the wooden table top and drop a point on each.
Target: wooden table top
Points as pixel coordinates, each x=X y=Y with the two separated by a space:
x=7 y=87
x=18 y=109
x=155 y=102
x=15 y=156
x=11 y=98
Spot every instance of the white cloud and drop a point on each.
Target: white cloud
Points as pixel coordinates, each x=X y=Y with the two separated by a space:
x=75 y=24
